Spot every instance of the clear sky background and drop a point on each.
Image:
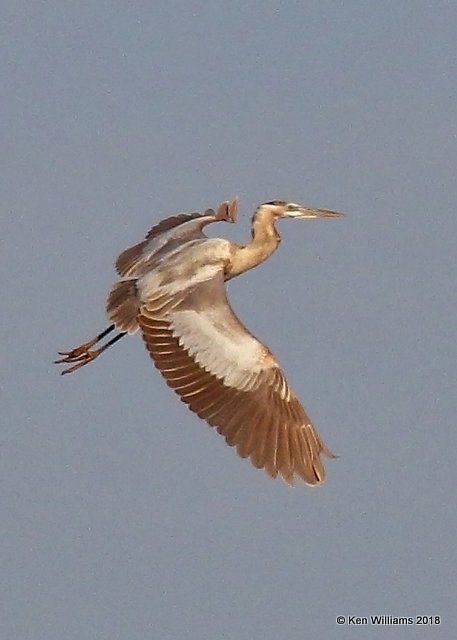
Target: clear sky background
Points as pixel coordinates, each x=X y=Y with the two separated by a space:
x=123 y=516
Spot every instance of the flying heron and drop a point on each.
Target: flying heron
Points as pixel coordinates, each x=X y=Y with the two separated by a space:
x=171 y=288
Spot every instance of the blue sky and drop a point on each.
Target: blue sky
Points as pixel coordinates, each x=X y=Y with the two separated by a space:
x=123 y=515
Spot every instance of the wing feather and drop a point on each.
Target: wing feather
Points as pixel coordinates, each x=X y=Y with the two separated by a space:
x=230 y=379
x=263 y=430
x=175 y=230
x=250 y=437
x=122 y=306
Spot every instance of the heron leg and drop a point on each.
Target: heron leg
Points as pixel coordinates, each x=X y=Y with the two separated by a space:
x=84 y=353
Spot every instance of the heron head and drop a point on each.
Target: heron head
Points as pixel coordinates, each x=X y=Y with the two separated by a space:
x=282 y=209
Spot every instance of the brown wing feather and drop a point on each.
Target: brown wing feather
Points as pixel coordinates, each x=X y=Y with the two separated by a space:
x=264 y=420
x=122 y=306
x=129 y=259
x=175 y=221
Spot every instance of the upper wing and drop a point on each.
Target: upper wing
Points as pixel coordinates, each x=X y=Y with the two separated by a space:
x=136 y=260
x=230 y=379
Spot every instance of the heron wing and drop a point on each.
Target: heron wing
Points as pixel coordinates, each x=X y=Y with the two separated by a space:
x=137 y=260
x=230 y=379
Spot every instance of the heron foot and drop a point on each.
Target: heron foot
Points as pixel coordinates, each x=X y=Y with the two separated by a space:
x=84 y=353
x=80 y=356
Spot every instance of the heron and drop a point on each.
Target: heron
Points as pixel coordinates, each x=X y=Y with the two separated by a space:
x=171 y=288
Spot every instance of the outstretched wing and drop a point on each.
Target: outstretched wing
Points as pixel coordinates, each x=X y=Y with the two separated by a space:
x=136 y=261
x=230 y=379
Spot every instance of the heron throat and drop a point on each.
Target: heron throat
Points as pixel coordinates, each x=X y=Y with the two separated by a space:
x=265 y=241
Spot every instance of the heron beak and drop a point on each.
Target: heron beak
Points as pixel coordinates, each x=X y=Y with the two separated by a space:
x=303 y=212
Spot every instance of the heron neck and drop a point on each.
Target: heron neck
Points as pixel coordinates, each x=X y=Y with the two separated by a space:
x=265 y=241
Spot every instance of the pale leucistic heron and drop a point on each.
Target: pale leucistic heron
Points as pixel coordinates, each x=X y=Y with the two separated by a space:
x=171 y=288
